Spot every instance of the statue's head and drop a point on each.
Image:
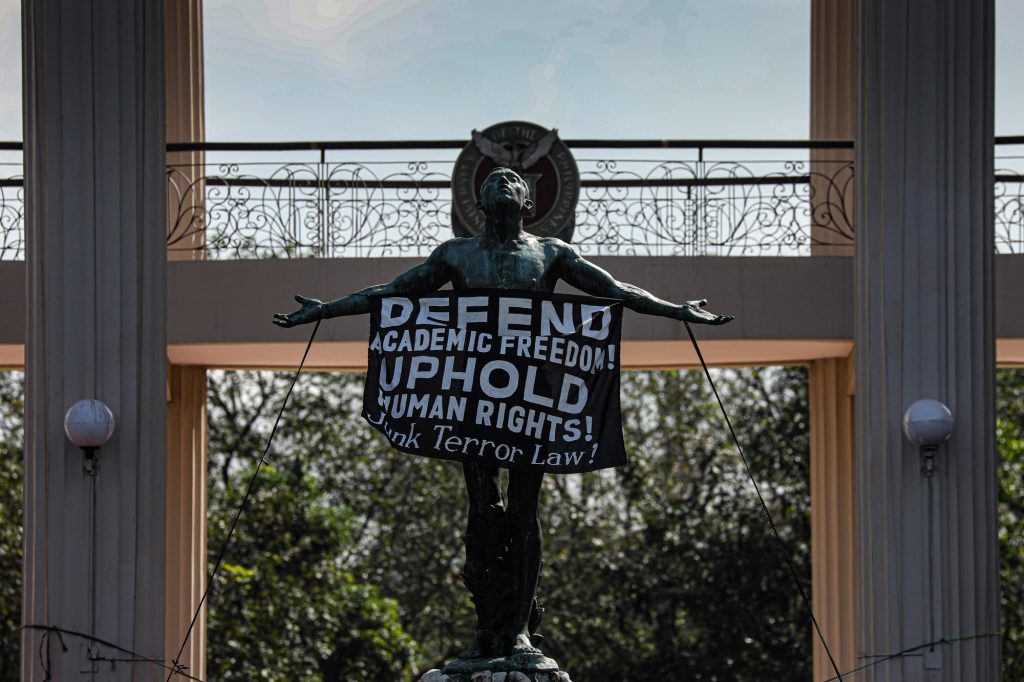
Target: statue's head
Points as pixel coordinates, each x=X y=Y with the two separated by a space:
x=503 y=192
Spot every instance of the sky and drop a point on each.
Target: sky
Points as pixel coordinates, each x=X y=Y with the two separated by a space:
x=420 y=69
x=341 y=69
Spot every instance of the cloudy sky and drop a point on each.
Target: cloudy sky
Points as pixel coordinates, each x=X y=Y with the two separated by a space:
x=365 y=69
x=593 y=68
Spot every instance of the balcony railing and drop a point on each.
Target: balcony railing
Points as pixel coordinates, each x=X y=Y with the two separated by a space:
x=645 y=197
x=1009 y=194
x=12 y=202
x=637 y=197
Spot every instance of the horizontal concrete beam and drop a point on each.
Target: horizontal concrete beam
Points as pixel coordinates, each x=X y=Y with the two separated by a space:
x=787 y=310
x=772 y=298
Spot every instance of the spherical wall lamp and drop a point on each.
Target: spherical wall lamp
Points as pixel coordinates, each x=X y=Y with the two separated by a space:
x=89 y=424
x=928 y=424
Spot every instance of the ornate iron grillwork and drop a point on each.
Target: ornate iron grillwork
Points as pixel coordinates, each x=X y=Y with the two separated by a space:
x=1009 y=222
x=303 y=210
x=362 y=209
x=1009 y=195
x=727 y=208
x=646 y=201
x=637 y=198
x=12 y=202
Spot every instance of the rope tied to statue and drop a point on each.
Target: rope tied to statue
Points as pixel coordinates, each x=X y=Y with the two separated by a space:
x=764 y=507
x=241 y=507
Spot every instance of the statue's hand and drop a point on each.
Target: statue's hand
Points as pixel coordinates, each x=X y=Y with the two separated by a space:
x=311 y=311
x=693 y=311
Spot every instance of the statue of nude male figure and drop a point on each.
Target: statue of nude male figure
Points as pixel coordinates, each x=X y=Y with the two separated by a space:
x=503 y=534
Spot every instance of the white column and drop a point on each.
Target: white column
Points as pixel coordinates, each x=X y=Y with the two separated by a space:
x=833 y=534
x=95 y=261
x=833 y=114
x=924 y=329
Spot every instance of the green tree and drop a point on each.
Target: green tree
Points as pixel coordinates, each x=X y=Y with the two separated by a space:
x=1010 y=443
x=345 y=565
x=407 y=514
x=12 y=415
x=282 y=608
x=664 y=567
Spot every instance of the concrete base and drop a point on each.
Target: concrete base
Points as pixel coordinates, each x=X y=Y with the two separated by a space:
x=496 y=676
x=527 y=663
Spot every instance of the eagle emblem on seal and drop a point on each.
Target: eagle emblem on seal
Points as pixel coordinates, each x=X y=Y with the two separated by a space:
x=539 y=156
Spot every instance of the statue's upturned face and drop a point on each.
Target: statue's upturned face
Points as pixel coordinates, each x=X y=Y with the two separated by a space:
x=502 y=190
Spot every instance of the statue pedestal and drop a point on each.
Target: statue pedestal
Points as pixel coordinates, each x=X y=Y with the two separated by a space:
x=517 y=668
x=496 y=676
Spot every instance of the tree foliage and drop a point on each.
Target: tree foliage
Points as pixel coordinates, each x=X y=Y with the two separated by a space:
x=1010 y=443
x=282 y=607
x=12 y=414
x=345 y=563
x=662 y=568
x=404 y=520
x=666 y=569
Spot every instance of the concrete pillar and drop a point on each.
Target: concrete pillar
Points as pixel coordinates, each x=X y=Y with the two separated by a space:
x=95 y=204
x=833 y=107
x=186 y=407
x=186 y=515
x=924 y=329
x=186 y=122
x=833 y=535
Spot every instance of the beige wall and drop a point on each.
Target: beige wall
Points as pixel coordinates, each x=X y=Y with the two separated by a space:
x=186 y=516
x=833 y=531
x=833 y=114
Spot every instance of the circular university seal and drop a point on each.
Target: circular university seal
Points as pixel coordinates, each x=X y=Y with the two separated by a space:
x=539 y=157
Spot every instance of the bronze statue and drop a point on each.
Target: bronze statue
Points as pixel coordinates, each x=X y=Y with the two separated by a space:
x=503 y=534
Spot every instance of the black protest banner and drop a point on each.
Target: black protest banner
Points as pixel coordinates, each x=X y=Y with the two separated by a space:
x=521 y=380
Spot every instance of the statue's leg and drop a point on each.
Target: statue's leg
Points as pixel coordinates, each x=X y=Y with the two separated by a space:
x=525 y=531
x=485 y=543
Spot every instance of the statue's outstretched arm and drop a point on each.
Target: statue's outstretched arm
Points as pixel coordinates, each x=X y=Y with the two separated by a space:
x=428 y=276
x=595 y=281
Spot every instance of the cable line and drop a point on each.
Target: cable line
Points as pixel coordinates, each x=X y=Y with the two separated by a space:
x=44 y=650
x=910 y=650
x=248 y=491
x=768 y=514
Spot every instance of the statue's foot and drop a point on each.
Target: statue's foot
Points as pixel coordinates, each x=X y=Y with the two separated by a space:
x=522 y=645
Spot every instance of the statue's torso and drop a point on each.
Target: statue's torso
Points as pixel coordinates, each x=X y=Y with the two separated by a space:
x=531 y=264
